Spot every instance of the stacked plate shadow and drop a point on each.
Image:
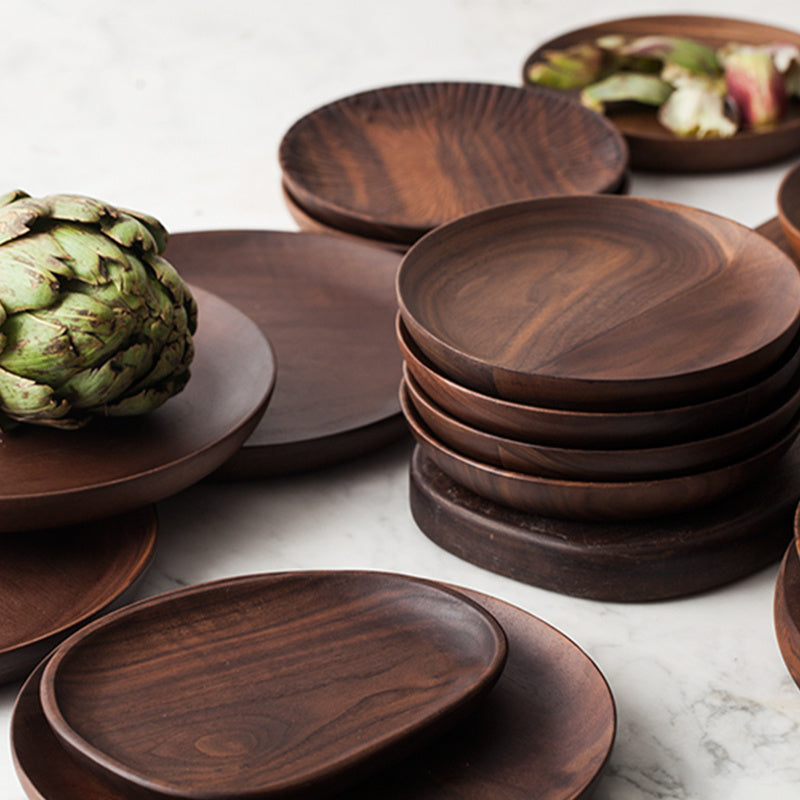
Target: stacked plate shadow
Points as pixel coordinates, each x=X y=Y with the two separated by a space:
x=388 y=165
x=605 y=394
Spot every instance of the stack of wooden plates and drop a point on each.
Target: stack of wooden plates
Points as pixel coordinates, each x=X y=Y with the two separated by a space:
x=601 y=359
x=389 y=165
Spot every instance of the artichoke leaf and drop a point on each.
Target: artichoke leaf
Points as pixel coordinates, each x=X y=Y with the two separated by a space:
x=20 y=396
x=130 y=233
x=167 y=362
x=12 y=196
x=87 y=252
x=19 y=217
x=77 y=208
x=154 y=226
x=148 y=399
x=636 y=86
x=37 y=349
x=168 y=276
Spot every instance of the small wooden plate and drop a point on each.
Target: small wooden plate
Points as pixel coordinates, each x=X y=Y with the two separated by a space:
x=328 y=307
x=265 y=686
x=615 y=562
x=789 y=208
x=786 y=611
x=599 y=302
x=568 y=428
x=51 y=478
x=395 y=162
x=653 y=147
x=595 y=501
x=55 y=580
x=547 y=727
x=772 y=230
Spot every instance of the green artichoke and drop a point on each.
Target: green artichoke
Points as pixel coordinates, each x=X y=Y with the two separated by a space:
x=93 y=321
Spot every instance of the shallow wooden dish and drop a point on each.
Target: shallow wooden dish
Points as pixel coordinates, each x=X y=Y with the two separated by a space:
x=51 y=478
x=599 y=302
x=617 y=464
x=786 y=611
x=772 y=230
x=55 y=580
x=594 y=500
x=653 y=147
x=327 y=306
x=547 y=727
x=395 y=162
x=789 y=208
x=318 y=679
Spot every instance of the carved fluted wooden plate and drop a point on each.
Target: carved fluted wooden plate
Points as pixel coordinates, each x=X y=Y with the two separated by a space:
x=547 y=727
x=653 y=147
x=789 y=208
x=51 y=478
x=54 y=580
x=599 y=302
x=264 y=686
x=395 y=162
x=327 y=306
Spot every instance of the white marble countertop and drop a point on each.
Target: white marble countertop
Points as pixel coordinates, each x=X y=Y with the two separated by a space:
x=177 y=107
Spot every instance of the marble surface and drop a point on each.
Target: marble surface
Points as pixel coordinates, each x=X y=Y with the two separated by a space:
x=177 y=107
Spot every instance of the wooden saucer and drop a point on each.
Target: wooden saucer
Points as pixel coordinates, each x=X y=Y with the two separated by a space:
x=624 y=562
x=789 y=209
x=786 y=611
x=55 y=580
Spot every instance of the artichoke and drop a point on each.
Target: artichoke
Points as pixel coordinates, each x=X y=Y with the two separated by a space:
x=93 y=321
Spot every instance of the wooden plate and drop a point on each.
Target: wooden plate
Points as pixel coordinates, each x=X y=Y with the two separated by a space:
x=653 y=147
x=328 y=307
x=271 y=685
x=547 y=727
x=395 y=162
x=55 y=580
x=595 y=501
x=615 y=464
x=614 y=562
x=568 y=428
x=51 y=478
x=786 y=611
x=599 y=302
x=789 y=208
x=772 y=230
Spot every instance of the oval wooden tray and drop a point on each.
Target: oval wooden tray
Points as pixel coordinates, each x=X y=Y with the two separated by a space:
x=277 y=685
x=328 y=307
x=395 y=162
x=789 y=208
x=653 y=147
x=786 y=611
x=636 y=562
x=595 y=501
x=569 y=428
x=599 y=303
x=51 y=478
x=55 y=580
x=547 y=728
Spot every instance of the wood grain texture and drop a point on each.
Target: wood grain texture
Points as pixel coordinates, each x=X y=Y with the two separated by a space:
x=635 y=562
x=51 y=478
x=653 y=147
x=54 y=580
x=786 y=611
x=282 y=685
x=773 y=230
x=789 y=208
x=395 y=162
x=547 y=727
x=599 y=302
x=595 y=501
x=327 y=306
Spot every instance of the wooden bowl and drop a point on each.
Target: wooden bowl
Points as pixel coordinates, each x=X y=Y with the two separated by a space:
x=786 y=611
x=593 y=500
x=267 y=686
x=567 y=428
x=653 y=147
x=599 y=302
x=395 y=162
x=789 y=208
x=596 y=464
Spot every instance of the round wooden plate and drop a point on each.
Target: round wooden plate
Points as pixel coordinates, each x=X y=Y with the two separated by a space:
x=653 y=147
x=616 y=562
x=547 y=727
x=55 y=580
x=789 y=208
x=395 y=162
x=773 y=230
x=328 y=307
x=51 y=478
x=599 y=302
x=275 y=685
x=786 y=611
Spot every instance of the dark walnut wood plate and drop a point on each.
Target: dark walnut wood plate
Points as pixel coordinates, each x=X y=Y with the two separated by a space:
x=786 y=611
x=772 y=230
x=547 y=728
x=52 y=478
x=599 y=302
x=288 y=684
x=653 y=147
x=395 y=162
x=55 y=580
x=789 y=209
x=657 y=559
x=328 y=307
